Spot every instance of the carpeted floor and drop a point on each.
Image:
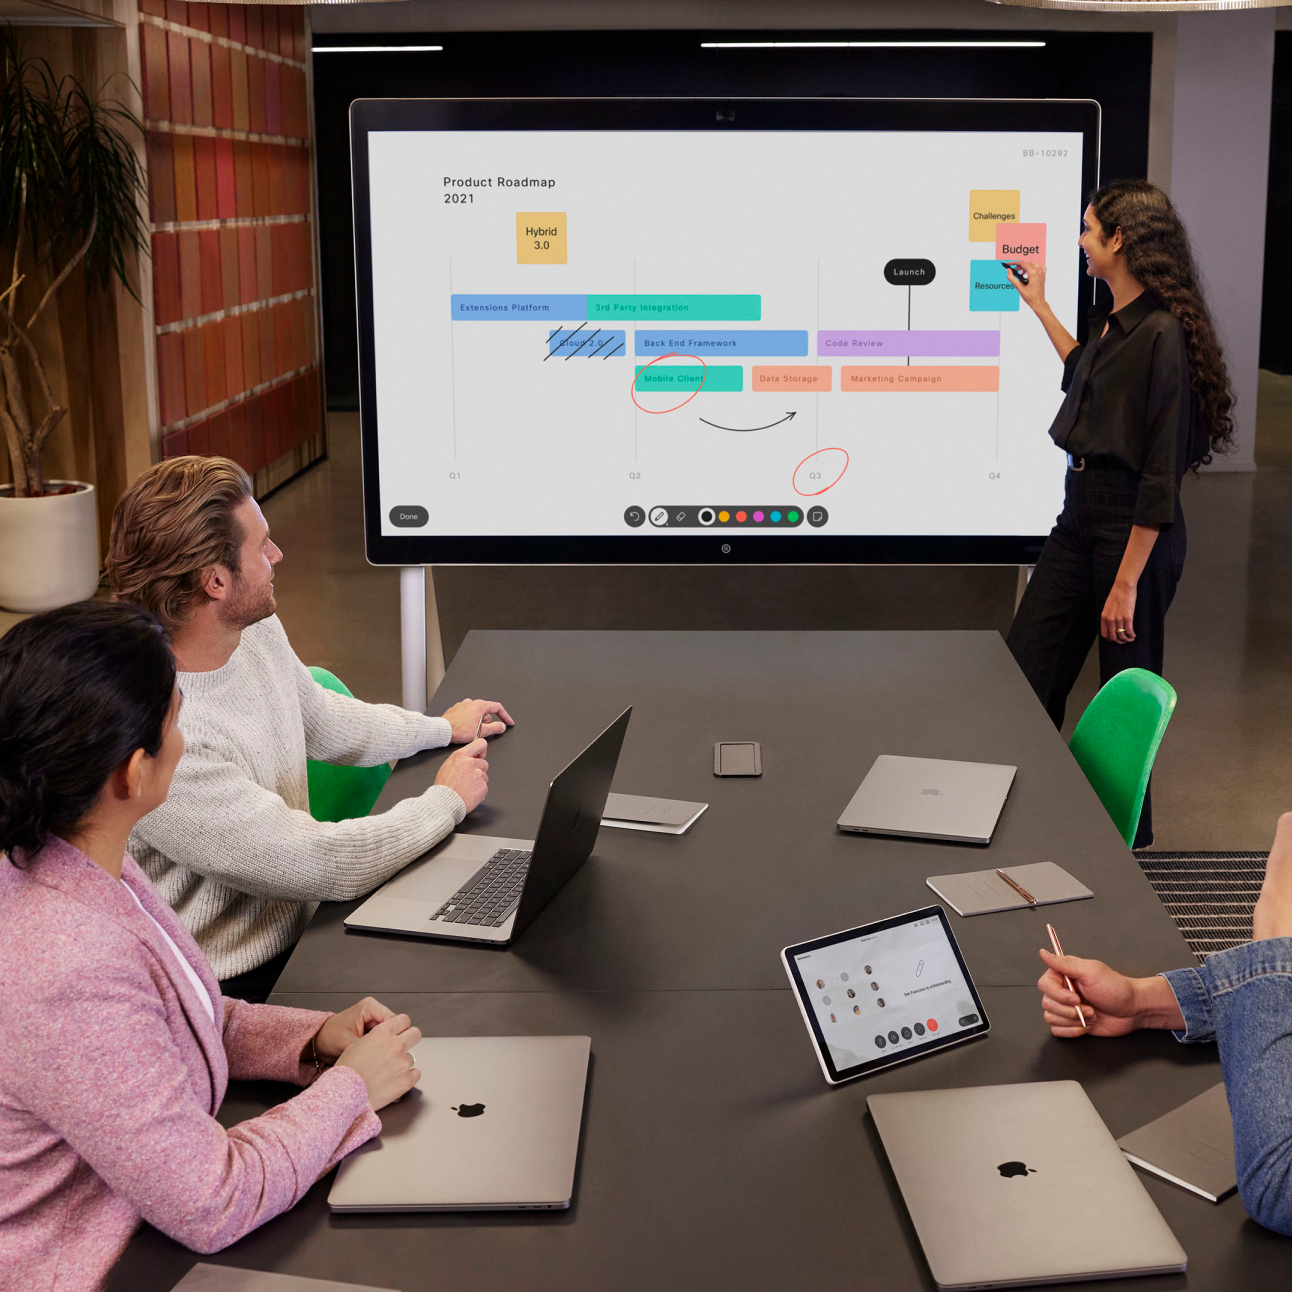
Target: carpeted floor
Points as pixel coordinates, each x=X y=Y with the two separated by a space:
x=1210 y=895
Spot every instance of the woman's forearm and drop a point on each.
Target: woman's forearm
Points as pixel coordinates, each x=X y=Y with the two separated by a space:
x=1138 y=549
x=1060 y=338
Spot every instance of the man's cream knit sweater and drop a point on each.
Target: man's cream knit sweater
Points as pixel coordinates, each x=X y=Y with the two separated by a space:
x=234 y=849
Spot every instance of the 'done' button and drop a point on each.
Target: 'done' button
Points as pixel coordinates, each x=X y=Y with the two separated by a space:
x=409 y=517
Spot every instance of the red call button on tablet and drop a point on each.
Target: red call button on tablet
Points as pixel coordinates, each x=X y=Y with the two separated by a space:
x=933 y=1024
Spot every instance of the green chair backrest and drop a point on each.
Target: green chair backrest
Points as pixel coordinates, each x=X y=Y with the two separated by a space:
x=1116 y=742
x=338 y=793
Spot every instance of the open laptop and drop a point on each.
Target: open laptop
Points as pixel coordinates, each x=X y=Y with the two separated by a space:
x=481 y=888
x=492 y=1125
x=1009 y=1186
x=930 y=798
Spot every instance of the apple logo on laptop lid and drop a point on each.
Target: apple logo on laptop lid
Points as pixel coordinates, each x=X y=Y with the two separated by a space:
x=1009 y=1169
x=474 y=1110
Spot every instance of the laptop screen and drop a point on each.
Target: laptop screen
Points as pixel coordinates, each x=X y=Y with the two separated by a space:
x=885 y=992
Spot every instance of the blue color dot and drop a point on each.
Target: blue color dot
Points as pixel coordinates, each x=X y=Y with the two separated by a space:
x=776 y=515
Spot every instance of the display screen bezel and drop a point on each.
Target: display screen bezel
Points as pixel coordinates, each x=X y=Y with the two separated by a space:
x=368 y=116
x=836 y=1076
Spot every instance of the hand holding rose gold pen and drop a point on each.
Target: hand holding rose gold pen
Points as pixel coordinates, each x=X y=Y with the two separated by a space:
x=1058 y=951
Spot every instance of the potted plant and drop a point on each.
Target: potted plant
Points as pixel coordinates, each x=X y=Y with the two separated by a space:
x=70 y=191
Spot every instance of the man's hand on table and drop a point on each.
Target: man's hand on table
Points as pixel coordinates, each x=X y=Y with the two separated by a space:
x=466 y=772
x=1112 y=1003
x=1272 y=917
x=464 y=717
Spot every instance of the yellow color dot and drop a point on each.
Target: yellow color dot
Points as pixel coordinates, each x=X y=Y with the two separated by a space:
x=724 y=516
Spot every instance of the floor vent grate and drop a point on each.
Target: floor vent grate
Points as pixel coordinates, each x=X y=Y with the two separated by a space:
x=1209 y=895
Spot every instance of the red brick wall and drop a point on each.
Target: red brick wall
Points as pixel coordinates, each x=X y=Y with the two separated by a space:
x=230 y=184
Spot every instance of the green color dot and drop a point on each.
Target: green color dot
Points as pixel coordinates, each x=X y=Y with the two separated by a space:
x=793 y=516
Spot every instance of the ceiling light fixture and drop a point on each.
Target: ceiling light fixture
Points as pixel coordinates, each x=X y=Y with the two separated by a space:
x=375 y=49
x=1146 y=6
x=872 y=44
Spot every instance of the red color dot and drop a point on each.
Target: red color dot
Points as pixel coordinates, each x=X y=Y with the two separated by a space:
x=932 y=1025
x=740 y=515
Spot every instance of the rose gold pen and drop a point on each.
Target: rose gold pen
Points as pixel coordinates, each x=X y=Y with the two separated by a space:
x=1017 y=887
x=1058 y=951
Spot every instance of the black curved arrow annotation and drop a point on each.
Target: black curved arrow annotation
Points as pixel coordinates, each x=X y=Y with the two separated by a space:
x=788 y=417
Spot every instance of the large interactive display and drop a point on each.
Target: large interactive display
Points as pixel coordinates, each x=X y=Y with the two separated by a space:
x=702 y=330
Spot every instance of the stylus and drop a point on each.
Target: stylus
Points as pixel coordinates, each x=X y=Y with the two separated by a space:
x=1058 y=951
x=491 y=716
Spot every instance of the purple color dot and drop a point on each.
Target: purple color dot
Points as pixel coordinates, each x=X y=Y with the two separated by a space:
x=758 y=515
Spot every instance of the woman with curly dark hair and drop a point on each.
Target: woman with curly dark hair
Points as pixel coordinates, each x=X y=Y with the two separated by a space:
x=1147 y=398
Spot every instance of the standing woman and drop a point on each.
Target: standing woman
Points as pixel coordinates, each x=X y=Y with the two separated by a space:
x=1148 y=398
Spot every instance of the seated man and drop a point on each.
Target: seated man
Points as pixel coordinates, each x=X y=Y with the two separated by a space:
x=234 y=849
x=1242 y=1000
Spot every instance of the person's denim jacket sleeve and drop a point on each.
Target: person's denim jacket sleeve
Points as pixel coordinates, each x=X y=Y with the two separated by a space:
x=1242 y=999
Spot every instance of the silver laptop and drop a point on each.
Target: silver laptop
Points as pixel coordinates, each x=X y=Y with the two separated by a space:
x=1009 y=1186
x=493 y=1125
x=930 y=798
x=481 y=888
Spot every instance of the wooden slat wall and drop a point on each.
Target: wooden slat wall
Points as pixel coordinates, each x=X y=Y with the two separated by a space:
x=230 y=179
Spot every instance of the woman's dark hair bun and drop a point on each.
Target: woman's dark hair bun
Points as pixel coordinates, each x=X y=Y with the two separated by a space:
x=81 y=688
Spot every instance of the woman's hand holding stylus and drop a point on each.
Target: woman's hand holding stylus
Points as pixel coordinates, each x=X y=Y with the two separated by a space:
x=1112 y=1003
x=1033 y=293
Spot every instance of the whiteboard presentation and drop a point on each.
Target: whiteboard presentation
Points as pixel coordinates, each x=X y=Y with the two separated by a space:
x=702 y=330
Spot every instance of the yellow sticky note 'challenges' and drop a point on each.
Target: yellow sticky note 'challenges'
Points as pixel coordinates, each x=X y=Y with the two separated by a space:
x=989 y=207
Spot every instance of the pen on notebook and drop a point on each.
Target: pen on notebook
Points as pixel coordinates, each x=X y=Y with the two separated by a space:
x=1017 y=887
x=1058 y=951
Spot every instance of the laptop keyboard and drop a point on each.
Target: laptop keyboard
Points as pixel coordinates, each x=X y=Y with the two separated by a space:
x=492 y=893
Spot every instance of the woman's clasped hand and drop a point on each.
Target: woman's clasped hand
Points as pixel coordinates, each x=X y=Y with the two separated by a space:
x=375 y=1042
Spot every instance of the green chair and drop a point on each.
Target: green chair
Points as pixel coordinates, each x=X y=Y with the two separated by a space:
x=337 y=792
x=1116 y=742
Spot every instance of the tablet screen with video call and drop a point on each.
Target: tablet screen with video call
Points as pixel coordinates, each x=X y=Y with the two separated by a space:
x=883 y=993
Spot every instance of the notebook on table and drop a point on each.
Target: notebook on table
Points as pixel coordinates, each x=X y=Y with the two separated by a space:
x=983 y=892
x=1192 y=1146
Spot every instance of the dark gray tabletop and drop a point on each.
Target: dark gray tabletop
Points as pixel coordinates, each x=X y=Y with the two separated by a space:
x=714 y=1156
x=764 y=866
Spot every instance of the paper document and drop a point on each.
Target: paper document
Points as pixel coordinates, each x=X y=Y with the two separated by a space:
x=641 y=812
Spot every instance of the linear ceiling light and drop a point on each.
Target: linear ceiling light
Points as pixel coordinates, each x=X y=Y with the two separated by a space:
x=1146 y=6
x=873 y=44
x=375 y=49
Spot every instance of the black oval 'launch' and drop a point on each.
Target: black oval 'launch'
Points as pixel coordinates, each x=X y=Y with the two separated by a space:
x=909 y=273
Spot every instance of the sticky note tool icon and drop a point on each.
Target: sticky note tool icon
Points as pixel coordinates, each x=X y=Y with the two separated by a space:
x=540 y=237
x=989 y=207
x=1020 y=242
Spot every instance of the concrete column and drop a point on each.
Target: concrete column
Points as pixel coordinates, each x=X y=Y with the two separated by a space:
x=1220 y=157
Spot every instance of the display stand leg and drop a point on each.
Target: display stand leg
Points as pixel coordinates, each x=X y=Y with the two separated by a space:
x=412 y=636
x=1024 y=576
x=421 y=647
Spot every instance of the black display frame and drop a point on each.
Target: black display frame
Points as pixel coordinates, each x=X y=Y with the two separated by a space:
x=705 y=113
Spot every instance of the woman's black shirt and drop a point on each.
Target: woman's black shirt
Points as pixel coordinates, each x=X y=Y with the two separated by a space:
x=1129 y=398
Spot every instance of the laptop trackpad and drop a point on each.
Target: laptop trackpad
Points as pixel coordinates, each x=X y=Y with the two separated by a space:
x=436 y=877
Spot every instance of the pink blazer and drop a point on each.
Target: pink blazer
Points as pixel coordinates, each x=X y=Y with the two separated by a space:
x=111 y=1073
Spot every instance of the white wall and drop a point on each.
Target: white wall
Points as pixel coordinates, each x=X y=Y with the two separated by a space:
x=1220 y=156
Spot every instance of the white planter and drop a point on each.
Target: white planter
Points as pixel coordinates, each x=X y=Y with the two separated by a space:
x=49 y=548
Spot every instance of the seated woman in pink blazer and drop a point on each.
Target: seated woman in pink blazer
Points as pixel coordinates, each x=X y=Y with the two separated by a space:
x=115 y=1043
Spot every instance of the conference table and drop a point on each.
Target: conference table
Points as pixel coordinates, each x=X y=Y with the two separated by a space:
x=713 y=1154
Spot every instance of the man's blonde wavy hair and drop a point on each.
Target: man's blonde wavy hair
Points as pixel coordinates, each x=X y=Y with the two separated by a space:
x=170 y=529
